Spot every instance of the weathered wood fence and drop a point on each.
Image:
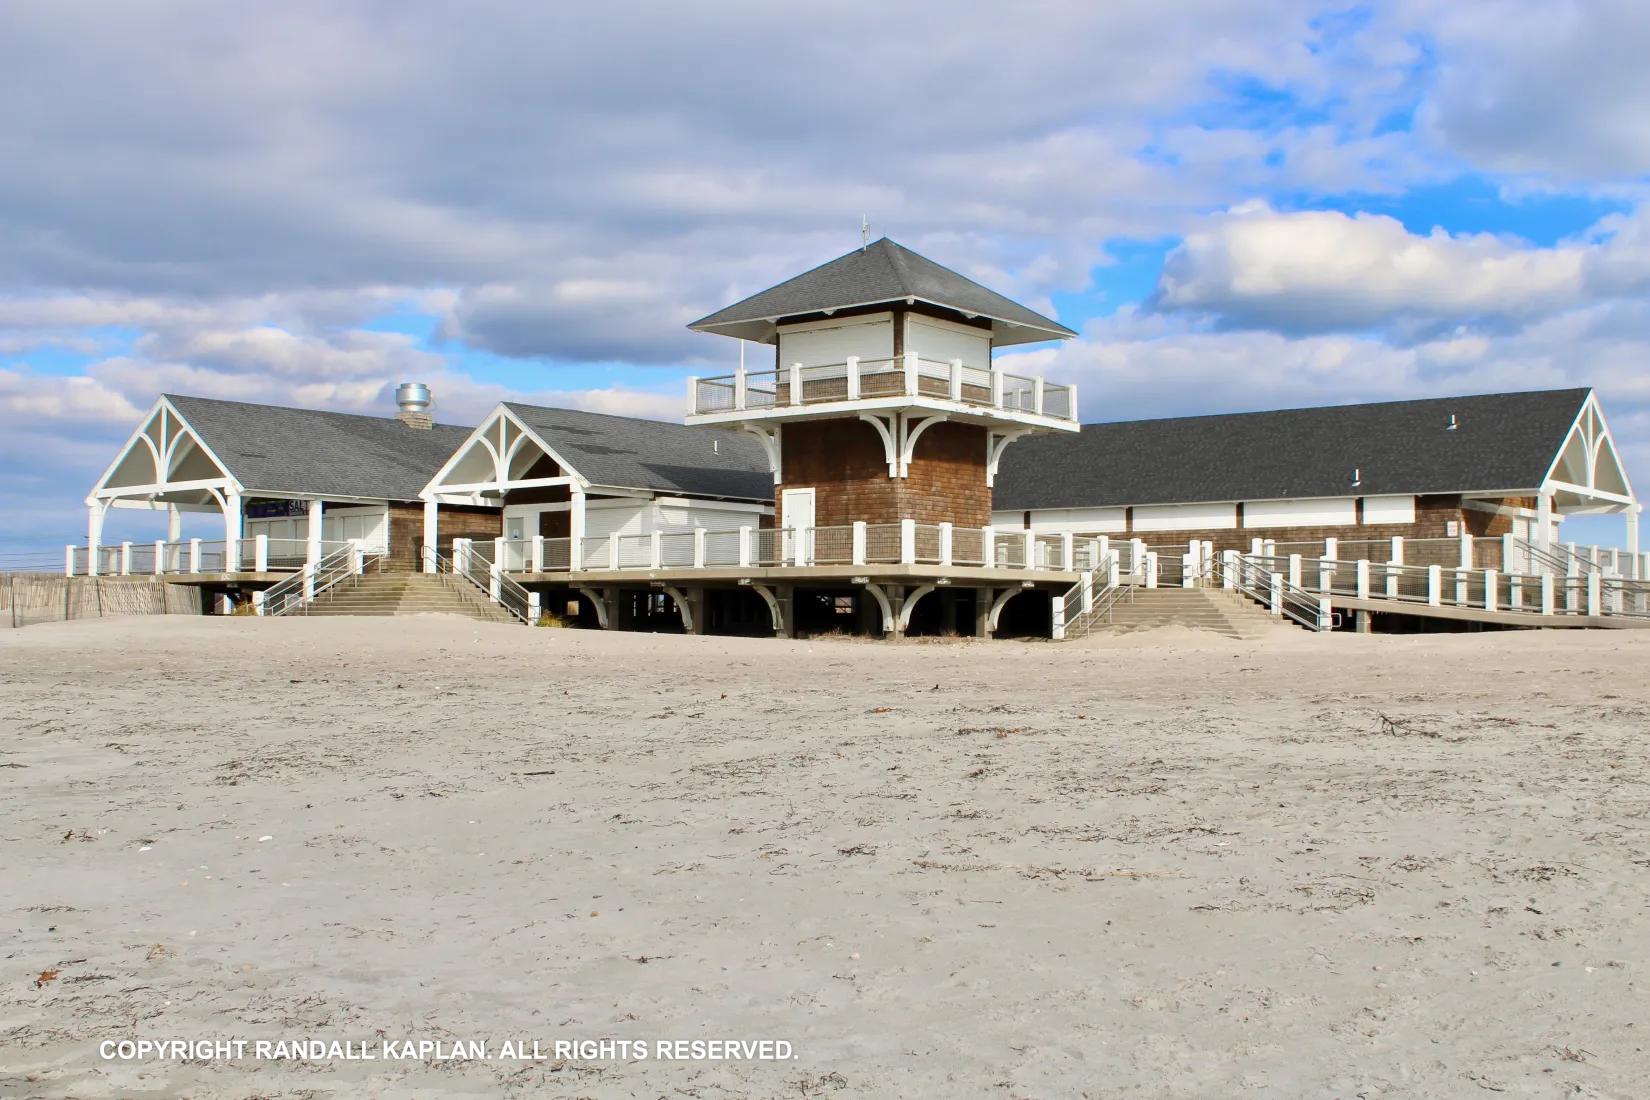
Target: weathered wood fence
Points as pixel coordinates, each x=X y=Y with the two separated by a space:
x=30 y=598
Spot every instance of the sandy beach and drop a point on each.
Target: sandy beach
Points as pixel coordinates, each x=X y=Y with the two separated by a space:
x=1167 y=864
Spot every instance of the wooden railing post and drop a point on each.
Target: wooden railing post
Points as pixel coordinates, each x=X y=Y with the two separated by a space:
x=857 y=546
x=945 y=544
x=853 y=377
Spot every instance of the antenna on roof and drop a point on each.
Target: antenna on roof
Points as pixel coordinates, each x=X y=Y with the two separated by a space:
x=864 y=232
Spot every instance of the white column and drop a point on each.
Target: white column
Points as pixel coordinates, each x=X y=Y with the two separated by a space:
x=68 y=560
x=1037 y=394
x=174 y=523
x=945 y=544
x=432 y=535
x=1543 y=535
x=698 y=548
x=910 y=373
x=1363 y=579
x=94 y=536
x=907 y=541
x=1435 y=585
x=1028 y=550
x=194 y=555
x=796 y=383
x=1151 y=568
x=1508 y=554
x=232 y=528
x=1277 y=594
x=988 y=546
x=1067 y=551
x=260 y=553
x=996 y=386
x=575 y=530
x=159 y=564
x=1460 y=587
x=1466 y=550
x=1634 y=563
x=853 y=377
x=1594 y=603
x=1295 y=570
x=538 y=553
x=656 y=549
x=857 y=553
x=956 y=379
x=258 y=602
x=613 y=551
x=1397 y=549
x=745 y=534
x=125 y=559
x=358 y=556
x=1491 y=584
x=534 y=601
x=1547 y=602
x=740 y=385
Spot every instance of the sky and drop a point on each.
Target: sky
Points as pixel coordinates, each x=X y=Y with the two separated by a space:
x=1250 y=206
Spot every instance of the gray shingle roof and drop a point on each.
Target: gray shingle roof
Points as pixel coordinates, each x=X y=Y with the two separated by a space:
x=277 y=450
x=625 y=452
x=882 y=272
x=1503 y=441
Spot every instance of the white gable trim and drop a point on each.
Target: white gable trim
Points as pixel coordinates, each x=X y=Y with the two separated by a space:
x=490 y=436
x=161 y=452
x=1594 y=443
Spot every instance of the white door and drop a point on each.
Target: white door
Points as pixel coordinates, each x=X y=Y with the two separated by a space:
x=797 y=507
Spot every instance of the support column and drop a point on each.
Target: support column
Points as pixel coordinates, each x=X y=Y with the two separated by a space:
x=983 y=598
x=174 y=524
x=1634 y=562
x=575 y=529
x=94 y=535
x=233 y=524
x=1543 y=521
x=432 y=535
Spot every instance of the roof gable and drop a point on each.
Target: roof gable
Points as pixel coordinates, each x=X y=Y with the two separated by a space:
x=881 y=272
x=629 y=453
x=1500 y=442
x=275 y=450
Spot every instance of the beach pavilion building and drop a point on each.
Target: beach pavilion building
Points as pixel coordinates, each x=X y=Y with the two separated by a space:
x=885 y=473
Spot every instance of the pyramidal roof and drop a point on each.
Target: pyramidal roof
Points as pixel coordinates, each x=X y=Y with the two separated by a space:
x=880 y=273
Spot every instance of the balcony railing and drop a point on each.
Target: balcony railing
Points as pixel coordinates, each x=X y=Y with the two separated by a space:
x=904 y=543
x=854 y=379
x=259 y=554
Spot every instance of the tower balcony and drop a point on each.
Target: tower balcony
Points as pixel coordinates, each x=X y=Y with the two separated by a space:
x=987 y=396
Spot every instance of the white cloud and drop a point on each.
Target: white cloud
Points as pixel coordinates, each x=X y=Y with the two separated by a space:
x=1327 y=271
x=1553 y=89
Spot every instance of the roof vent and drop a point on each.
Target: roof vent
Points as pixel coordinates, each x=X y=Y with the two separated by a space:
x=413 y=400
x=1453 y=424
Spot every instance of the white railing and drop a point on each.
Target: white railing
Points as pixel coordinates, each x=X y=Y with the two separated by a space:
x=296 y=592
x=857 y=379
x=1293 y=585
x=903 y=543
x=257 y=554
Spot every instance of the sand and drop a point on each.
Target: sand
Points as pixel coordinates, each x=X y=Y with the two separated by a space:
x=1167 y=865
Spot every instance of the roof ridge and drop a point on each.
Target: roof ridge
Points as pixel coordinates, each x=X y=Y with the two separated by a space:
x=1340 y=405
x=301 y=409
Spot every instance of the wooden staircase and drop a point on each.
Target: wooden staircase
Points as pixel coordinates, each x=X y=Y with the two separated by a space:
x=1209 y=609
x=405 y=594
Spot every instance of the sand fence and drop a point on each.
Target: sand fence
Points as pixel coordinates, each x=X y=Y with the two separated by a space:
x=30 y=598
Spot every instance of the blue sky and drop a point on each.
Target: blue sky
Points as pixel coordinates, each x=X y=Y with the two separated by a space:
x=1291 y=203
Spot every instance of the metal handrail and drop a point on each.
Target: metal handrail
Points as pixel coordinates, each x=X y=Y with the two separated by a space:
x=294 y=592
x=509 y=595
x=1294 y=601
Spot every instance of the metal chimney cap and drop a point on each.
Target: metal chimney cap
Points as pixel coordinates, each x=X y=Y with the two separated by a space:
x=413 y=397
